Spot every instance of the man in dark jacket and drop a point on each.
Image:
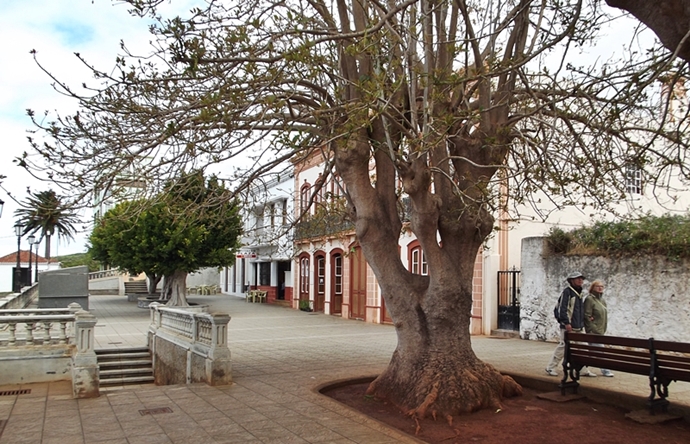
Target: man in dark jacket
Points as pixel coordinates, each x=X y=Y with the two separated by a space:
x=570 y=314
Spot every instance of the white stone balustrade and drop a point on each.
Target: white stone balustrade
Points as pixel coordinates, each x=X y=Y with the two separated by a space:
x=23 y=326
x=49 y=344
x=200 y=337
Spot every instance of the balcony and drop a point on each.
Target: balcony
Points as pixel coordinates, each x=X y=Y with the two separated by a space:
x=322 y=225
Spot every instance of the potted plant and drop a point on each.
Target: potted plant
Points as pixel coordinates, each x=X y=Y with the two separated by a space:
x=304 y=305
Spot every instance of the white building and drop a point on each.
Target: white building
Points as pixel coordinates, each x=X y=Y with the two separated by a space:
x=265 y=259
x=8 y=265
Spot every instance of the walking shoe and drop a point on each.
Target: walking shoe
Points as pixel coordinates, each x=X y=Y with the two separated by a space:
x=607 y=373
x=590 y=374
x=551 y=372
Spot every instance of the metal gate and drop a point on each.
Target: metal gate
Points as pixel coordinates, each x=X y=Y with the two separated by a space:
x=509 y=300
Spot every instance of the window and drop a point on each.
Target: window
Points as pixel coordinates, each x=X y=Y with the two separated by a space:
x=338 y=274
x=633 y=179
x=304 y=198
x=304 y=275
x=264 y=273
x=259 y=214
x=321 y=275
x=284 y=212
x=417 y=261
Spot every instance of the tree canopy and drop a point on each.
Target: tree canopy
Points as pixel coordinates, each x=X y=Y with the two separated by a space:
x=171 y=236
x=464 y=107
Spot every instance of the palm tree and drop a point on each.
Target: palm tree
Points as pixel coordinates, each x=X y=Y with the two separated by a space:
x=44 y=212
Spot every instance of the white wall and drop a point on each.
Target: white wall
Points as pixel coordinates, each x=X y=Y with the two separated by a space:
x=646 y=296
x=6 y=272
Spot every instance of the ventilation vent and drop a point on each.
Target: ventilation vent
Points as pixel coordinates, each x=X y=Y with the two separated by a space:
x=15 y=392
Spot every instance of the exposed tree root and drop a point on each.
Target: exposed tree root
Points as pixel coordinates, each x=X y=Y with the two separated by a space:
x=510 y=387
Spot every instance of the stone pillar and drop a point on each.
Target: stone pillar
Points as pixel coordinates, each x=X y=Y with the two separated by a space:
x=274 y=274
x=218 y=365
x=492 y=264
x=85 y=375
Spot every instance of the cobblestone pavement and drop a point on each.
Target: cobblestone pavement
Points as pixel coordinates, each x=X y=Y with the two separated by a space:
x=280 y=357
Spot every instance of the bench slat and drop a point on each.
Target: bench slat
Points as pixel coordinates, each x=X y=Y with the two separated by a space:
x=610 y=340
x=613 y=354
x=680 y=347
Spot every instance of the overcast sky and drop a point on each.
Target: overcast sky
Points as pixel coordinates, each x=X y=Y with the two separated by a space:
x=56 y=29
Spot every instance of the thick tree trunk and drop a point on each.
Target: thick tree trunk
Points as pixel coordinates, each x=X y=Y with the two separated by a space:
x=176 y=283
x=434 y=370
x=152 y=281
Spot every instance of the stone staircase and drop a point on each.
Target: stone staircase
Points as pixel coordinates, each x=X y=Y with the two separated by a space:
x=124 y=366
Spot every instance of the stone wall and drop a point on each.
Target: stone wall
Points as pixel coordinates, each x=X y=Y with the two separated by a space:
x=646 y=296
x=189 y=347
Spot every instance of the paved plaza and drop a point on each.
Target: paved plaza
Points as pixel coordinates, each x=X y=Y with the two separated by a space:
x=280 y=357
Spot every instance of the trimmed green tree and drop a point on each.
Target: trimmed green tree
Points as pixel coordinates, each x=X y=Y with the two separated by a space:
x=196 y=225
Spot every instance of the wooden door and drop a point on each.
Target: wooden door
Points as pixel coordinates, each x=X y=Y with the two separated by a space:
x=336 y=283
x=358 y=285
x=304 y=278
x=319 y=283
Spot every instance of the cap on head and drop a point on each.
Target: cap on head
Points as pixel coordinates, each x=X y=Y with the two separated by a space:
x=575 y=275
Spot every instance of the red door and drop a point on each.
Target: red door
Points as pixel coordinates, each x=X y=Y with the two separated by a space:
x=358 y=287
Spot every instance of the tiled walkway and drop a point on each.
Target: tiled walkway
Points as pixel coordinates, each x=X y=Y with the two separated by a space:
x=279 y=357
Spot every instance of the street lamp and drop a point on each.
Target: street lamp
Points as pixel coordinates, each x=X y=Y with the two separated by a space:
x=17 y=271
x=2 y=204
x=37 y=243
x=31 y=240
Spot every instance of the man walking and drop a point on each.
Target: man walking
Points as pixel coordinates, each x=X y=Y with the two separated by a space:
x=570 y=315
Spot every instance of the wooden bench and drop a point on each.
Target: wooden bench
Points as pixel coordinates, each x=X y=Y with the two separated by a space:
x=661 y=361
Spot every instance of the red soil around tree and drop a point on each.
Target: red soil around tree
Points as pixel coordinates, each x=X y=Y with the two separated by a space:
x=523 y=419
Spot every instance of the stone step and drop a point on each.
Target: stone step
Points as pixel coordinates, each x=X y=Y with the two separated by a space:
x=126 y=371
x=110 y=351
x=124 y=356
x=126 y=364
x=127 y=380
x=505 y=334
x=123 y=366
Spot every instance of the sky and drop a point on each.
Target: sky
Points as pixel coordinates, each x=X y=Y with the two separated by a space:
x=56 y=29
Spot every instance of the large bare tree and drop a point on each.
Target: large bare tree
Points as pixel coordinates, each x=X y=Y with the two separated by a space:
x=462 y=107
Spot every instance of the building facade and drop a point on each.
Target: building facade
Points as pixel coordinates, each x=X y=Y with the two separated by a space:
x=264 y=262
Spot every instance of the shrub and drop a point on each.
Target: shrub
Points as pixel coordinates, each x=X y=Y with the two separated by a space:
x=662 y=235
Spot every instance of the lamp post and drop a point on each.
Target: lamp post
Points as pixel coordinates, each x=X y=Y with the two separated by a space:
x=2 y=204
x=17 y=271
x=37 y=243
x=31 y=240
